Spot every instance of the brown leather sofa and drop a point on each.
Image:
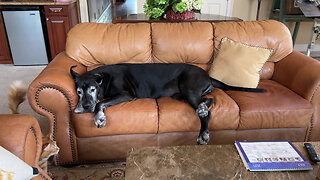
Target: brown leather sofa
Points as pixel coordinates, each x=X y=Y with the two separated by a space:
x=21 y=135
x=289 y=110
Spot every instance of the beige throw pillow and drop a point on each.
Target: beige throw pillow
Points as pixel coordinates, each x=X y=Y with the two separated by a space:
x=239 y=64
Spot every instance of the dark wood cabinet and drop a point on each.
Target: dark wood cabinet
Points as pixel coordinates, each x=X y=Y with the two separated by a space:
x=58 y=28
x=60 y=19
x=5 y=57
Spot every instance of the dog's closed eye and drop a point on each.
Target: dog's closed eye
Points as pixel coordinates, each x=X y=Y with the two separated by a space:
x=79 y=91
x=91 y=90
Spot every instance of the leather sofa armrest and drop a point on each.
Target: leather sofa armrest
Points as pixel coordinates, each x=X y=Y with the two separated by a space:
x=53 y=95
x=21 y=135
x=301 y=74
x=57 y=75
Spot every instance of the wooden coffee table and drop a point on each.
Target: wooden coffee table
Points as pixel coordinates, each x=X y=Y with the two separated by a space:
x=203 y=162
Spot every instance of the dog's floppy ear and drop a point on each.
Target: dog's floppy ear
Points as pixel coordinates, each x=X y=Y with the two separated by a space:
x=74 y=75
x=99 y=78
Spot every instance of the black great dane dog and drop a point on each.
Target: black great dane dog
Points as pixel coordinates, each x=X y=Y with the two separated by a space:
x=113 y=84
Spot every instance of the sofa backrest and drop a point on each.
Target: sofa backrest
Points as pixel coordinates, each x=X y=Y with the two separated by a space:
x=94 y=44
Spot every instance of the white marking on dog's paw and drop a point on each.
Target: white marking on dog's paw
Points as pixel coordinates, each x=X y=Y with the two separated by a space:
x=203 y=138
x=100 y=119
x=202 y=110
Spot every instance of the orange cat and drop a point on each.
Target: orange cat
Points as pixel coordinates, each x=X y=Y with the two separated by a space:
x=49 y=148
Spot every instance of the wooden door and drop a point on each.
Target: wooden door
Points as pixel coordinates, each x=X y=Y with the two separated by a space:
x=58 y=27
x=219 y=7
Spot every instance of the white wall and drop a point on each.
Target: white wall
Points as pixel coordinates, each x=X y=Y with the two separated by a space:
x=84 y=12
x=140 y=6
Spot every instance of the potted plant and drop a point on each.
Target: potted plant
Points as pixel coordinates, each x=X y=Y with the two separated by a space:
x=174 y=9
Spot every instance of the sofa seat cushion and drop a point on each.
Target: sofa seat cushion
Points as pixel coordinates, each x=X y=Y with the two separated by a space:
x=279 y=107
x=177 y=116
x=135 y=117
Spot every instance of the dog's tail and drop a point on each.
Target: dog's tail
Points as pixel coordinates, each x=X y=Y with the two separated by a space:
x=223 y=86
x=16 y=95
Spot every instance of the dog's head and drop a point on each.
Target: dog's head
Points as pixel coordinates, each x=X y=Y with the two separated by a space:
x=89 y=88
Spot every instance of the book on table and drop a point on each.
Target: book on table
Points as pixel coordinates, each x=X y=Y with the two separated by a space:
x=271 y=156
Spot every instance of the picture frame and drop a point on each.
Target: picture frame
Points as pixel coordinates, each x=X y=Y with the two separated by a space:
x=292 y=8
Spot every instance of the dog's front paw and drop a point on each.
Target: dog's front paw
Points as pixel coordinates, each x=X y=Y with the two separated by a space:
x=202 y=110
x=203 y=138
x=100 y=119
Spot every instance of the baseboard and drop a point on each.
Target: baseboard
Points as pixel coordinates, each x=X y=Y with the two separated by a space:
x=303 y=47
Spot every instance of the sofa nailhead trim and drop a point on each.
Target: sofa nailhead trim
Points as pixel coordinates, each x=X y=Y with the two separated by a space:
x=54 y=122
x=310 y=129
x=43 y=177
x=311 y=120
x=35 y=136
x=34 y=133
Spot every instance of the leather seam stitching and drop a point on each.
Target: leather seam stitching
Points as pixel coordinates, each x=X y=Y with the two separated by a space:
x=213 y=44
x=152 y=57
x=311 y=120
x=55 y=119
x=158 y=109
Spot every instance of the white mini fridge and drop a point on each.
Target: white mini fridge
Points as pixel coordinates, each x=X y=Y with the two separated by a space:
x=25 y=34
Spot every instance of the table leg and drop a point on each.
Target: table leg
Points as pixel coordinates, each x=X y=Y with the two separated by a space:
x=295 y=32
x=314 y=34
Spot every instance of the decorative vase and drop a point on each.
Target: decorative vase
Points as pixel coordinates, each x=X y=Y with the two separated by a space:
x=171 y=15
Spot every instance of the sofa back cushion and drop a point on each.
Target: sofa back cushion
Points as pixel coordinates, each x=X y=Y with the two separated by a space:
x=94 y=44
x=268 y=34
x=189 y=42
x=97 y=44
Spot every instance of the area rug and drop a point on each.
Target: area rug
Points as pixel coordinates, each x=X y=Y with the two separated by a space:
x=101 y=171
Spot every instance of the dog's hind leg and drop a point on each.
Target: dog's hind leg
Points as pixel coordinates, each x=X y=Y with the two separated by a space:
x=205 y=116
x=204 y=135
x=201 y=106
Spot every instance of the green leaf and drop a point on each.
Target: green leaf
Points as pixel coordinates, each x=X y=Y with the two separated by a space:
x=155 y=8
x=181 y=7
x=197 y=11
